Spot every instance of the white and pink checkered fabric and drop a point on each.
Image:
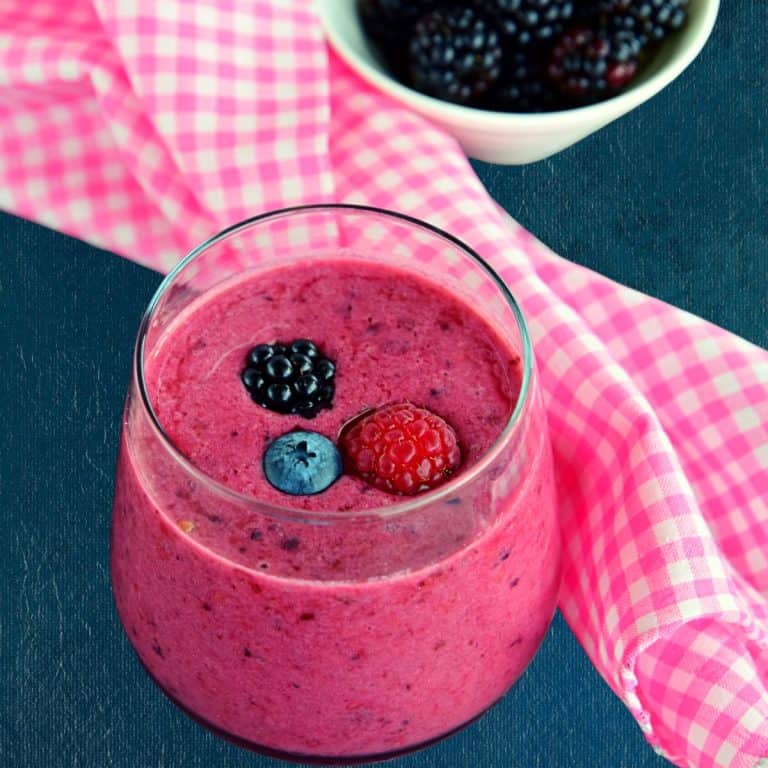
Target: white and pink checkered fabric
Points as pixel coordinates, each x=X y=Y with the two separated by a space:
x=144 y=127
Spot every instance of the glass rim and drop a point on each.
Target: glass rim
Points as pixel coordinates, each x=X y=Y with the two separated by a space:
x=398 y=508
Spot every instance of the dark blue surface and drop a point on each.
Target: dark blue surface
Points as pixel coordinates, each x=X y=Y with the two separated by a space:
x=671 y=200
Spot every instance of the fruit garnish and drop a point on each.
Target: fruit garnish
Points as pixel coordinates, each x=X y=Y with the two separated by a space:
x=655 y=20
x=290 y=378
x=400 y=448
x=302 y=463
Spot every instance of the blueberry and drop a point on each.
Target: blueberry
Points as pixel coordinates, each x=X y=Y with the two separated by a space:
x=302 y=463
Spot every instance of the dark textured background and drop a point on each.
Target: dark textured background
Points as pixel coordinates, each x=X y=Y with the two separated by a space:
x=671 y=200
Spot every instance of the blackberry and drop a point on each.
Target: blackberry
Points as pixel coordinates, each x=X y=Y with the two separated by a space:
x=525 y=22
x=523 y=86
x=589 y=65
x=627 y=24
x=289 y=378
x=394 y=11
x=586 y=12
x=388 y=24
x=455 y=54
x=655 y=18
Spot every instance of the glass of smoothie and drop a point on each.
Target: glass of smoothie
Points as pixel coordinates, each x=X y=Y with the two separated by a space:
x=334 y=535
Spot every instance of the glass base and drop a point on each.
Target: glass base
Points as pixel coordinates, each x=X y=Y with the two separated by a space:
x=298 y=758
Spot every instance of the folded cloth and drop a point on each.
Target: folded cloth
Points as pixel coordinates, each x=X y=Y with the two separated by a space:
x=144 y=127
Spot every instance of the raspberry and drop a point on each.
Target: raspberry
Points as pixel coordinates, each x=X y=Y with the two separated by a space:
x=289 y=378
x=400 y=448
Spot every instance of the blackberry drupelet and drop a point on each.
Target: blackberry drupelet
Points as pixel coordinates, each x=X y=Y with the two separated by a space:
x=525 y=22
x=523 y=86
x=627 y=24
x=588 y=65
x=455 y=54
x=655 y=18
x=290 y=378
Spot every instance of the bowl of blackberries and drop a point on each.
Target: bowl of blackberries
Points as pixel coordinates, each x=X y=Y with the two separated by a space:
x=518 y=80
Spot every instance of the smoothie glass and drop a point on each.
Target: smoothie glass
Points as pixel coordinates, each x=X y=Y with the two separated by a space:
x=335 y=635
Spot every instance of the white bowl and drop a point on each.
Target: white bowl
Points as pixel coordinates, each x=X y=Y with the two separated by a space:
x=515 y=138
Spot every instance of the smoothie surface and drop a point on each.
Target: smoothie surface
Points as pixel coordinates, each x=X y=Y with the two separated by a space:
x=394 y=336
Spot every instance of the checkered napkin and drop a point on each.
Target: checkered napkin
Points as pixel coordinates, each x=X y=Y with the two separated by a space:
x=144 y=127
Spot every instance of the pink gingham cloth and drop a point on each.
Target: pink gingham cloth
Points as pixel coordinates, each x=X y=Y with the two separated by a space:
x=145 y=127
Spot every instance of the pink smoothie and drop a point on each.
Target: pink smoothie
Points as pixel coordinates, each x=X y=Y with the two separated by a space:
x=355 y=633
